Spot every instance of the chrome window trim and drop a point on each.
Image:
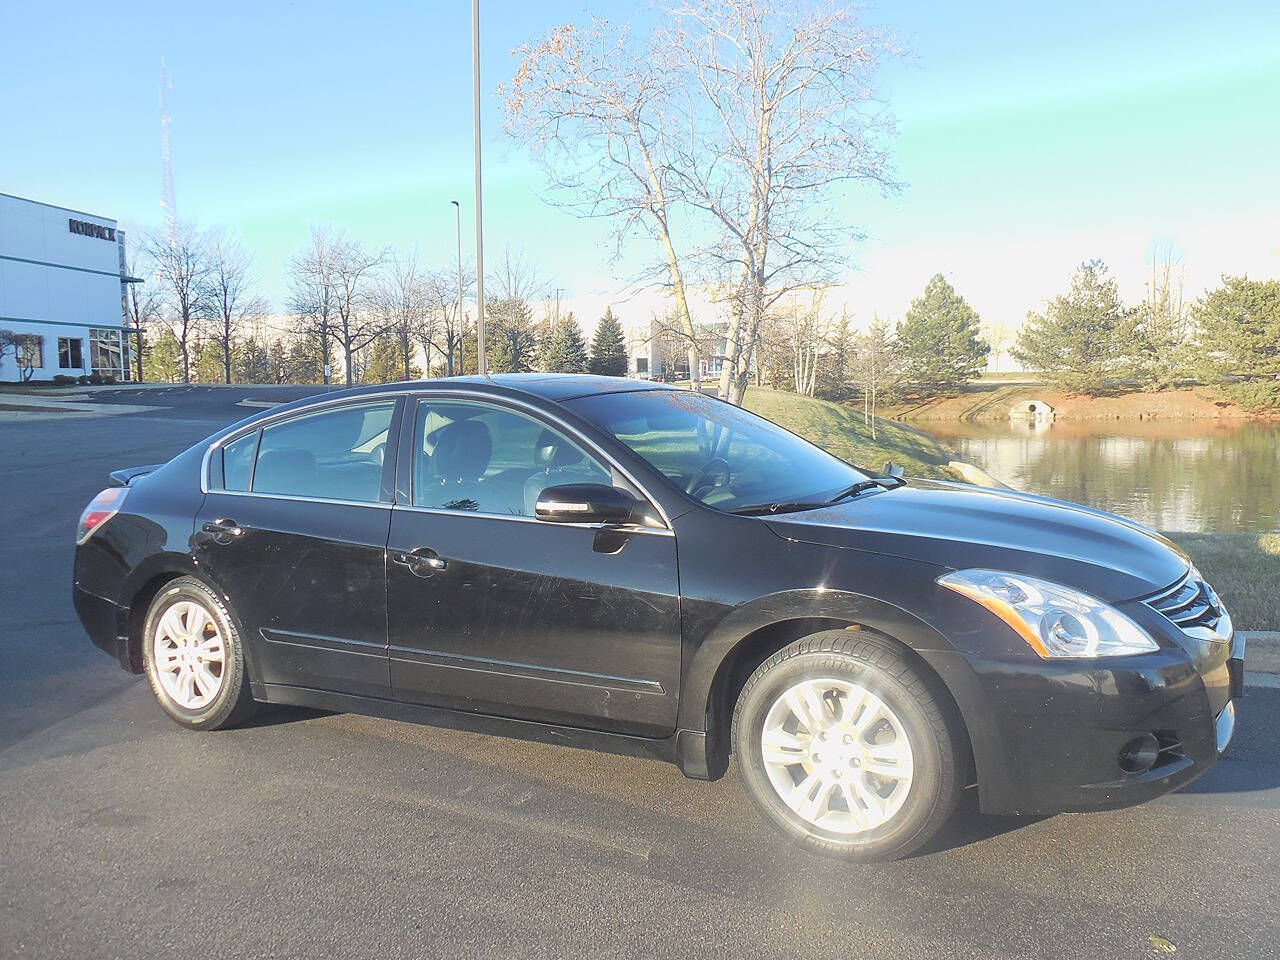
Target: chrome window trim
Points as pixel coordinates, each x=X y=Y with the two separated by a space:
x=380 y=397
x=300 y=499
x=416 y=396
x=520 y=518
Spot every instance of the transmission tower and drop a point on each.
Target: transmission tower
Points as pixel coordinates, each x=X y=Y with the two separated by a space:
x=168 y=205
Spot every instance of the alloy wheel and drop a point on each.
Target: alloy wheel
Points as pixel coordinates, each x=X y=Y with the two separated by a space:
x=837 y=755
x=189 y=655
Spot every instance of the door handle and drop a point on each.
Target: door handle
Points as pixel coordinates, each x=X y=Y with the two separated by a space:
x=421 y=561
x=223 y=530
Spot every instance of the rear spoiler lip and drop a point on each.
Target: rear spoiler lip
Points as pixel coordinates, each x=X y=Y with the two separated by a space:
x=126 y=476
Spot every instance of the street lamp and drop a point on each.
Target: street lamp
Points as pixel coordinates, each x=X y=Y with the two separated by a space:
x=481 y=365
x=461 y=326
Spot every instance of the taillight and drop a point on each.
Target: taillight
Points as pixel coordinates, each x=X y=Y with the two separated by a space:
x=100 y=509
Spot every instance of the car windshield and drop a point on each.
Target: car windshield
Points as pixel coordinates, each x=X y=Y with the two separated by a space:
x=717 y=453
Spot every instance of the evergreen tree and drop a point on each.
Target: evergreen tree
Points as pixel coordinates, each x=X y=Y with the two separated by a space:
x=1082 y=338
x=509 y=339
x=608 y=348
x=208 y=367
x=940 y=348
x=874 y=366
x=386 y=362
x=1239 y=338
x=278 y=357
x=253 y=363
x=562 y=349
x=161 y=358
x=836 y=363
x=304 y=362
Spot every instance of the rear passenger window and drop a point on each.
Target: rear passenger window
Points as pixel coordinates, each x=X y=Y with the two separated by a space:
x=334 y=454
x=237 y=462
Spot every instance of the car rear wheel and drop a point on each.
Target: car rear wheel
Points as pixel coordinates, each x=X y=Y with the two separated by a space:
x=193 y=657
x=846 y=747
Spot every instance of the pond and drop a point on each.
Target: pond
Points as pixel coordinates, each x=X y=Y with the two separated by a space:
x=1198 y=476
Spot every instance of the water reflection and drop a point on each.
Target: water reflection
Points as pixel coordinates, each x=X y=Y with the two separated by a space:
x=1199 y=476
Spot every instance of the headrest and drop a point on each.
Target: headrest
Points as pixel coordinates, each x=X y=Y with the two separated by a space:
x=553 y=450
x=285 y=471
x=462 y=451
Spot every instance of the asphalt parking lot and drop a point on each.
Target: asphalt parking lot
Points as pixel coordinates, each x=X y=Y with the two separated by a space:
x=309 y=835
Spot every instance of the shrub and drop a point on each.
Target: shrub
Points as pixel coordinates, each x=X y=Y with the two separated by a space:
x=62 y=380
x=82 y=379
x=95 y=379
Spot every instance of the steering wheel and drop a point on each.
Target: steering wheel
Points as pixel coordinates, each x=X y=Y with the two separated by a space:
x=715 y=467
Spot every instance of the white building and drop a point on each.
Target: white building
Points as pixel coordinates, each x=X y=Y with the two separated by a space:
x=62 y=279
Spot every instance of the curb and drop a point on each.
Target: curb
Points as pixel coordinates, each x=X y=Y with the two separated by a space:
x=1262 y=653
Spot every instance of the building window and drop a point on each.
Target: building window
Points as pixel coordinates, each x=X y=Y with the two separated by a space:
x=70 y=353
x=106 y=351
x=642 y=364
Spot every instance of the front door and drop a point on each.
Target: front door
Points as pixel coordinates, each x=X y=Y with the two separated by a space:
x=294 y=530
x=493 y=611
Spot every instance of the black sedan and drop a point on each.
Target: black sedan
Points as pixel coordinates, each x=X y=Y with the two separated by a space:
x=620 y=565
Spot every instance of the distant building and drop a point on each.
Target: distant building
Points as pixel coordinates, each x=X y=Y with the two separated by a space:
x=645 y=352
x=62 y=279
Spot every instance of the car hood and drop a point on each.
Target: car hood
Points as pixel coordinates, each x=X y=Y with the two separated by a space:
x=960 y=525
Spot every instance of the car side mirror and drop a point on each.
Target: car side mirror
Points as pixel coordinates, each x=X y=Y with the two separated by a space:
x=587 y=503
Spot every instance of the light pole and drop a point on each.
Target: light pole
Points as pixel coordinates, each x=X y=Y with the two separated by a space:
x=481 y=363
x=462 y=327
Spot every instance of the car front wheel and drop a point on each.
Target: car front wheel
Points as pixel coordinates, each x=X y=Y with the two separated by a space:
x=193 y=657
x=846 y=747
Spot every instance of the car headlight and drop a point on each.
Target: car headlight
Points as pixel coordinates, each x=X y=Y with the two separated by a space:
x=1054 y=620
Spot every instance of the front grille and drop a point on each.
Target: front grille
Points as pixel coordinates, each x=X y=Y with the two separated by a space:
x=1193 y=606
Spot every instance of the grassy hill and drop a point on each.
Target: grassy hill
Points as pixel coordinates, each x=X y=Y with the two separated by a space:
x=841 y=430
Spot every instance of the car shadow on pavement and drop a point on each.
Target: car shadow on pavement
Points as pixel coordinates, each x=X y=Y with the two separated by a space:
x=968 y=826
x=276 y=715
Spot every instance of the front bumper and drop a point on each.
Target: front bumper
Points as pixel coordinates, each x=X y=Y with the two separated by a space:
x=1049 y=736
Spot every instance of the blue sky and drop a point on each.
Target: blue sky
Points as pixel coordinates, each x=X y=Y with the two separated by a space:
x=1032 y=136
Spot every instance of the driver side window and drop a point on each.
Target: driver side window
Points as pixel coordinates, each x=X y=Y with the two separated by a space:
x=487 y=459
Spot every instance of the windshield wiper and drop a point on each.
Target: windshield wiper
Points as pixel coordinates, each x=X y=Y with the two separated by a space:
x=759 y=509
x=795 y=506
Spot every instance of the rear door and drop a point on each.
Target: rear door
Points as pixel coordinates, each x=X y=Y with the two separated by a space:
x=493 y=611
x=294 y=529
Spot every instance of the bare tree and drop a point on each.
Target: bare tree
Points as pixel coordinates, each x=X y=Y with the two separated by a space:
x=25 y=347
x=403 y=299
x=356 y=325
x=313 y=295
x=1000 y=337
x=231 y=301
x=446 y=334
x=1160 y=340
x=778 y=113
x=595 y=104
x=142 y=301
x=183 y=263
x=806 y=335
x=875 y=366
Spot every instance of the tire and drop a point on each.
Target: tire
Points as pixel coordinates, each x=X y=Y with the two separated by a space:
x=186 y=628
x=860 y=794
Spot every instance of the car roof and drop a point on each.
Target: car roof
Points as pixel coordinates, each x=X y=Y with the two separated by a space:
x=550 y=386
x=547 y=386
